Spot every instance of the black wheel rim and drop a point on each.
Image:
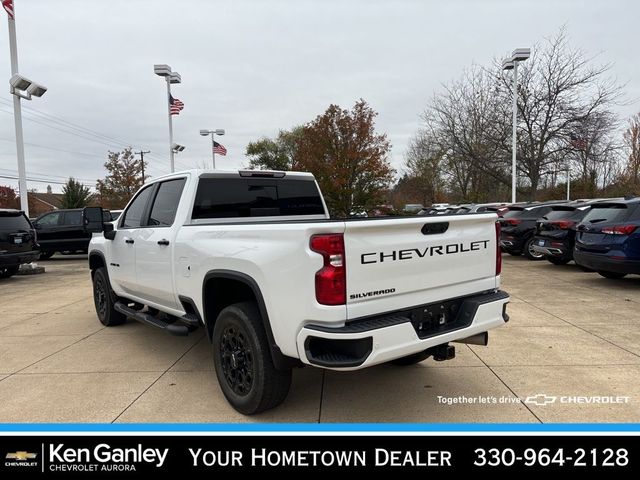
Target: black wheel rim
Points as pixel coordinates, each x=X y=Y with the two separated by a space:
x=237 y=360
x=101 y=297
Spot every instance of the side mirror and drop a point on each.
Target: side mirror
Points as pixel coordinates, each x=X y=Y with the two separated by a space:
x=92 y=219
x=109 y=232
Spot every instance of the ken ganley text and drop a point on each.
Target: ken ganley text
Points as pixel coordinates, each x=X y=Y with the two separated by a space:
x=262 y=457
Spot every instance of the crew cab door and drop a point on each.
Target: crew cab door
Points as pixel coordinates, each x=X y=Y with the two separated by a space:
x=154 y=245
x=122 y=264
x=47 y=225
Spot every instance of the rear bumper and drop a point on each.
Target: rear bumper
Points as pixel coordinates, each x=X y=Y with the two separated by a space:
x=512 y=243
x=363 y=343
x=10 y=259
x=605 y=263
x=553 y=247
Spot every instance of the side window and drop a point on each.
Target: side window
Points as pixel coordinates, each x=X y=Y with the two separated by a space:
x=166 y=202
x=106 y=216
x=133 y=215
x=50 y=219
x=73 y=218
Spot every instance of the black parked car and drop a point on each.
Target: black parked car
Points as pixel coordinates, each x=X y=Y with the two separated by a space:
x=555 y=234
x=63 y=231
x=17 y=242
x=518 y=226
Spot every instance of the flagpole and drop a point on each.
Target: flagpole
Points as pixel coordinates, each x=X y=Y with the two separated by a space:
x=213 y=149
x=17 y=117
x=168 y=79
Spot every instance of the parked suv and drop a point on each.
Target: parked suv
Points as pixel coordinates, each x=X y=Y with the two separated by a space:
x=17 y=242
x=608 y=239
x=555 y=234
x=63 y=231
x=518 y=227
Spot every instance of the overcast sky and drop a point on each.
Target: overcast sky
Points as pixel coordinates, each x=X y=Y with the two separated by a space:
x=254 y=67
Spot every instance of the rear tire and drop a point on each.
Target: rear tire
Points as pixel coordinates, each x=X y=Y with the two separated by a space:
x=585 y=269
x=104 y=300
x=614 y=275
x=46 y=255
x=242 y=359
x=558 y=261
x=530 y=253
x=6 y=272
x=410 y=359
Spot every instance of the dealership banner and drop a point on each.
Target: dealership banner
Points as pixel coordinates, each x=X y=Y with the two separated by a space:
x=131 y=456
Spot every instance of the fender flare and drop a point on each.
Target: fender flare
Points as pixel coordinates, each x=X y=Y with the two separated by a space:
x=280 y=361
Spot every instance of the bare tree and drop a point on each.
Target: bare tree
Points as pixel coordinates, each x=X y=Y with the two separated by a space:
x=424 y=163
x=468 y=121
x=632 y=146
x=561 y=91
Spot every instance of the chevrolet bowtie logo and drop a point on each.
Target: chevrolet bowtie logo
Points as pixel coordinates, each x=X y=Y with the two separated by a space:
x=22 y=456
x=541 y=399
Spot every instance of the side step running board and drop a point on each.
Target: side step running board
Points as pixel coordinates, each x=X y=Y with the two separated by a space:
x=172 y=328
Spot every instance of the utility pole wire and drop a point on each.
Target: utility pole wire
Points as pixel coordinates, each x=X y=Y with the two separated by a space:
x=141 y=153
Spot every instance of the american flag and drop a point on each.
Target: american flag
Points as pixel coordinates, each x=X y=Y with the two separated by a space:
x=175 y=105
x=8 y=6
x=219 y=149
x=578 y=142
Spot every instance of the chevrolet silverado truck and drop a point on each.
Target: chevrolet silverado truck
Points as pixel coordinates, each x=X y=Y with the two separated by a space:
x=254 y=258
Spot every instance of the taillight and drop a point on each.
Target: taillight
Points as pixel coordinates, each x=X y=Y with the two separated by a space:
x=563 y=224
x=619 y=229
x=512 y=221
x=498 y=251
x=331 y=279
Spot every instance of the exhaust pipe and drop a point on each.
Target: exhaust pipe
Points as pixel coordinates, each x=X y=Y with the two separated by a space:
x=477 y=339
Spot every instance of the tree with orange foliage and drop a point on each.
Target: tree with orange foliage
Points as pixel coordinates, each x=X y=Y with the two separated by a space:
x=8 y=197
x=348 y=158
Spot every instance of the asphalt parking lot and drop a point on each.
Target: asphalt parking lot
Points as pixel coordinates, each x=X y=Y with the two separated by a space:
x=572 y=335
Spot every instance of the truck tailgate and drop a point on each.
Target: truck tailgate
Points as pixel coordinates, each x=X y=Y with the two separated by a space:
x=397 y=263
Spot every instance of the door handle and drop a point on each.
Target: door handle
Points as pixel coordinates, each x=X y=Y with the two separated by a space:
x=129 y=240
x=164 y=241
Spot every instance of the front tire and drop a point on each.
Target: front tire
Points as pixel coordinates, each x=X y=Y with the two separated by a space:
x=46 y=255
x=6 y=272
x=104 y=300
x=242 y=358
x=613 y=275
x=559 y=261
x=530 y=253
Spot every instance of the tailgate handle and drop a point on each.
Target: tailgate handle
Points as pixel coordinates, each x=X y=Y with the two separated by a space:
x=434 y=228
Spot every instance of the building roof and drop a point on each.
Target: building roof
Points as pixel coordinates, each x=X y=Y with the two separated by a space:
x=52 y=200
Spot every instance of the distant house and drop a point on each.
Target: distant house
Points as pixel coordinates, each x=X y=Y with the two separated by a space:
x=40 y=203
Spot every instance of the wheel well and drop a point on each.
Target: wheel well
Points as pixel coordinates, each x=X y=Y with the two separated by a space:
x=219 y=293
x=95 y=262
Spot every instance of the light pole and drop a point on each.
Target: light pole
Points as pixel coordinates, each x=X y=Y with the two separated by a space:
x=213 y=133
x=519 y=55
x=20 y=87
x=164 y=70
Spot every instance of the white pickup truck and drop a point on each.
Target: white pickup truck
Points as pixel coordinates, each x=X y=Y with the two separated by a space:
x=254 y=258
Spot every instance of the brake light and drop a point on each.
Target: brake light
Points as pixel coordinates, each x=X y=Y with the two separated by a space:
x=331 y=279
x=620 y=229
x=498 y=251
x=512 y=221
x=563 y=224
